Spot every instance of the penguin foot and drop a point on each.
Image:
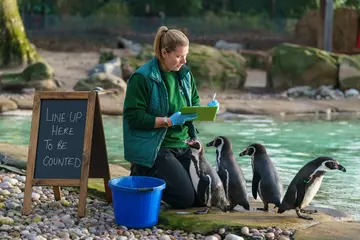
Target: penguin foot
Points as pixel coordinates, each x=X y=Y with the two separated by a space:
x=206 y=210
x=263 y=209
x=230 y=207
x=302 y=216
x=308 y=211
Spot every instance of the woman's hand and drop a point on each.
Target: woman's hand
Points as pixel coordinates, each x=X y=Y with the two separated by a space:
x=214 y=103
x=179 y=119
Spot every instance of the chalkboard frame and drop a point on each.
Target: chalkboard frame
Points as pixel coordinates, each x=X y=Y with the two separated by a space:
x=93 y=124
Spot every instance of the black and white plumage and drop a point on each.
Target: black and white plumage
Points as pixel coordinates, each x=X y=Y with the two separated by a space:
x=266 y=180
x=230 y=173
x=206 y=182
x=306 y=184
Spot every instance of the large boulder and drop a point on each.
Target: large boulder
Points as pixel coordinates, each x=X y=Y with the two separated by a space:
x=103 y=80
x=38 y=75
x=211 y=67
x=349 y=72
x=294 y=65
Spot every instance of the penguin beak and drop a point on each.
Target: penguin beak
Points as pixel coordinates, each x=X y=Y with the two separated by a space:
x=243 y=153
x=341 y=168
x=210 y=144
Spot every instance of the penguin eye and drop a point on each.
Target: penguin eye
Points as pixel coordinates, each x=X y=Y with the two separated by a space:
x=218 y=142
x=331 y=165
x=251 y=151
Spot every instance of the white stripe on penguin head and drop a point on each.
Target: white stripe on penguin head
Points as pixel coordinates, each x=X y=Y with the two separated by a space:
x=218 y=152
x=252 y=156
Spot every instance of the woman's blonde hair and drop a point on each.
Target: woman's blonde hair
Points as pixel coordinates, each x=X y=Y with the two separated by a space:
x=168 y=39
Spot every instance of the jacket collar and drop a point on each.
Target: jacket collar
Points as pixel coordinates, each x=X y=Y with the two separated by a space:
x=155 y=70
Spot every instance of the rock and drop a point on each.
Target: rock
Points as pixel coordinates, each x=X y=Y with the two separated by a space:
x=270 y=235
x=221 y=231
x=327 y=92
x=7 y=105
x=211 y=237
x=6 y=220
x=293 y=65
x=245 y=231
x=5 y=185
x=125 y=43
x=106 y=81
x=211 y=67
x=300 y=91
x=349 y=72
x=38 y=75
x=35 y=196
x=233 y=237
x=352 y=93
x=164 y=237
x=217 y=68
x=221 y=44
x=112 y=67
x=36 y=219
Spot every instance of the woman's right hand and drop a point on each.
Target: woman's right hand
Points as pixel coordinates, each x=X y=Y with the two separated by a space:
x=179 y=119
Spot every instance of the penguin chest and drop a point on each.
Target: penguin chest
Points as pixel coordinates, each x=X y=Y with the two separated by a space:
x=194 y=175
x=311 y=191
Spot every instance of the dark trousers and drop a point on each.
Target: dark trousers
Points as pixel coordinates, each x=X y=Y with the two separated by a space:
x=172 y=165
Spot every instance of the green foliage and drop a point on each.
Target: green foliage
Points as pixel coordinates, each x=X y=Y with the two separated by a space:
x=106 y=56
x=114 y=13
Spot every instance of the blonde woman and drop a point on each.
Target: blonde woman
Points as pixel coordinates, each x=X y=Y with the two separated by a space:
x=154 y=128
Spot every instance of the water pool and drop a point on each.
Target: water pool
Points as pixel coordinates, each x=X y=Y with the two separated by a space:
x=290 y=144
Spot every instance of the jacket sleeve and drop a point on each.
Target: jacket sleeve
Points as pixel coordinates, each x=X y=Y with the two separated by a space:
x=195 y=99
x=136 y=102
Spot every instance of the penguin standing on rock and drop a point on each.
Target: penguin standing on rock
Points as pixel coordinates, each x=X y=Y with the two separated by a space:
x=230 y=173
x=206 y=182
x=265 y=180
x=306 y=184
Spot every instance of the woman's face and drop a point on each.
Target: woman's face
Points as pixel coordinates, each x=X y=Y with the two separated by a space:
x=174 y=60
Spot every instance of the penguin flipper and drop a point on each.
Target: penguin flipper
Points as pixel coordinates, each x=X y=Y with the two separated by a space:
x=293 y=197
x=255 y=184
x=224 y=177
x=301 y=188
x=203 y=188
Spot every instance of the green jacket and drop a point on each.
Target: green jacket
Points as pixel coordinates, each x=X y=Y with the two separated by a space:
x=141 y=145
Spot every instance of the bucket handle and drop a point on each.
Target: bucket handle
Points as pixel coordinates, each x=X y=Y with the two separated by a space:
x=150 y=189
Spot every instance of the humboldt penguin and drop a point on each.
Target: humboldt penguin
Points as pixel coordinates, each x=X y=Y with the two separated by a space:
x=265 y=180
x=206 y=182
x=230 y=173
x=306 y=183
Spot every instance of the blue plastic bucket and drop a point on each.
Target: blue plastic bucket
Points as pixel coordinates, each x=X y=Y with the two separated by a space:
x=136 y=200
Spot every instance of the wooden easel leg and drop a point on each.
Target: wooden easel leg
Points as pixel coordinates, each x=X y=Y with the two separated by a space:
x=107 y=190
x=27 y=197
x=82 y=200
x=57 y=193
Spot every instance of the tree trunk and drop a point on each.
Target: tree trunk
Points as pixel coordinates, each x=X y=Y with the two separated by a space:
x=15 y=48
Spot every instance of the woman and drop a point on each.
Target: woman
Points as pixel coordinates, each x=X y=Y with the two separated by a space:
x=153 y=126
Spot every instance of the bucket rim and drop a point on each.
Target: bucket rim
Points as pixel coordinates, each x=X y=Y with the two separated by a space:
x=160 y=187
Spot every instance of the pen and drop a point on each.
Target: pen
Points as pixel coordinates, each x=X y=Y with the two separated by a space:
x=214 y=97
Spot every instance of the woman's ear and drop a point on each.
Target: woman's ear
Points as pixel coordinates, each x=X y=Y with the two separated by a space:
x=164 y=53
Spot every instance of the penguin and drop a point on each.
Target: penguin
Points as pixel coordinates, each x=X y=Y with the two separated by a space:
x=306 y=184
x=230 y=173
x=206 y=182
x=265 y=180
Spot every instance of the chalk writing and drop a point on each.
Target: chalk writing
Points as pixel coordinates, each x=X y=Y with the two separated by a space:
x=61 y=138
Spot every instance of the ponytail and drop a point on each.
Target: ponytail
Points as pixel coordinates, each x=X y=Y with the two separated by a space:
x=169 y=40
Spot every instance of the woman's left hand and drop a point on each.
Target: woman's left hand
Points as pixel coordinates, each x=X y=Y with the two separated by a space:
x=214 y=103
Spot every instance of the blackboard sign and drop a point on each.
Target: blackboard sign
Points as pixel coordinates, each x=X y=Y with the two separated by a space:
x=60 y=138
x=65 y=126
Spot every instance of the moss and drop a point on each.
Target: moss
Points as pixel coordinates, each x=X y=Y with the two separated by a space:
x=211 y=67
